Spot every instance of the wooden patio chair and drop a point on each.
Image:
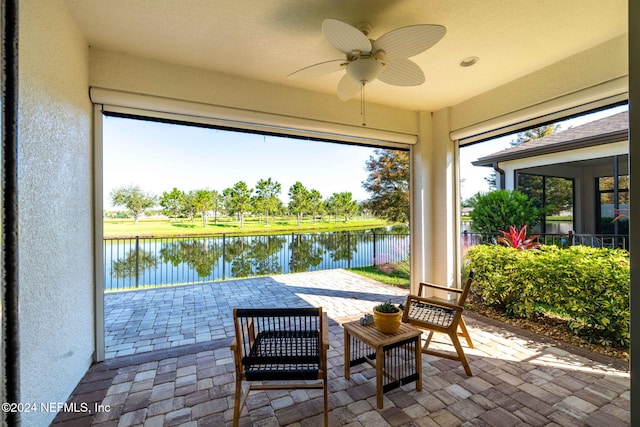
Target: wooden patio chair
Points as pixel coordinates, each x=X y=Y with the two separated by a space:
x=439 y=315
x=280 y=348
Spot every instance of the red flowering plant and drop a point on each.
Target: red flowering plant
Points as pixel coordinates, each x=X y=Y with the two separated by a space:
x=518 y=239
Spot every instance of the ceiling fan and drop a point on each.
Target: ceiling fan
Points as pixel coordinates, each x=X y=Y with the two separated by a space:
x=365 y=60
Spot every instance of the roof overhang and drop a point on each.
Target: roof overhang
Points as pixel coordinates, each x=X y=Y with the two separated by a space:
x=609 y=138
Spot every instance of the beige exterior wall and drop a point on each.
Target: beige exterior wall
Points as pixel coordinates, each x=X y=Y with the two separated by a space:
x=55 y=207
x=111 y=70
x=607 y=62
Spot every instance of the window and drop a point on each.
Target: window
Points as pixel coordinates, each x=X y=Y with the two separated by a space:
x=612 y=212
x=554 y=195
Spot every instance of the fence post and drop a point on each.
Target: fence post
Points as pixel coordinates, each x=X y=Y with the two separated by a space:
x=291 y=265
x=570 y=238
x=137 y=259
x=348 y=249
x=374 y=249
x=224 y=253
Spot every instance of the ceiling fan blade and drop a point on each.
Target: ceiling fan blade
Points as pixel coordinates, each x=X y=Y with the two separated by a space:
x=347 y=88
x=319 y=69
x=344 y=37
x=401 y=72
x=408 y=41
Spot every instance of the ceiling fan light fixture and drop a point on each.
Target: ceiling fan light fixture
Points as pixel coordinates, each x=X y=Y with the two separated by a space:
x=364 y=70
x=386 y=58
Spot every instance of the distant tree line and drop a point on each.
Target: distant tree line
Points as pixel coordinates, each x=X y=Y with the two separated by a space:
x=388 y=182
x=237 y=201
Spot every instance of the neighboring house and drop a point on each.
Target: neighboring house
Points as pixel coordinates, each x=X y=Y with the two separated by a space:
x=585 y=158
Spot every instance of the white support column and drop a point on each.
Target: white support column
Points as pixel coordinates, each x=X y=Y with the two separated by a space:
x=434 y=203
x=98 y=234
x=634 y=189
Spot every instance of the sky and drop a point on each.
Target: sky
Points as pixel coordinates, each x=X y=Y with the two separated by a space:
x=159 y=156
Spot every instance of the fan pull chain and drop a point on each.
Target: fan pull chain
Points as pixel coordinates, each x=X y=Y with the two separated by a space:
x=363 y=111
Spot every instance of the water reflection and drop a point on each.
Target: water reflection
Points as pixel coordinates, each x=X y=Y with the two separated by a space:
x=188 y=260
x=131 y=264
x=200 y=255
x=305 y=252
x=259 y=256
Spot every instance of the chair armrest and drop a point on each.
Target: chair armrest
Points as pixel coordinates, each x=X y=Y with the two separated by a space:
x=433 y=301
x=438 y=287
x=325 y=330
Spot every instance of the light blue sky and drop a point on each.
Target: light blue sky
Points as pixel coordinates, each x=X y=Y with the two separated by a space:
x=160 y=156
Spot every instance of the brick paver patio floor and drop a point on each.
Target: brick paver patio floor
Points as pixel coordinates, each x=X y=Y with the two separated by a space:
x=168 y=363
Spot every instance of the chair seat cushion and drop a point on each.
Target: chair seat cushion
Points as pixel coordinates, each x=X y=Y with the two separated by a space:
x=283 y=355
x=429 y=313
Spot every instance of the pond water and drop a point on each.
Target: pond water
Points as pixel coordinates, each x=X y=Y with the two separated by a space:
x=139 y=262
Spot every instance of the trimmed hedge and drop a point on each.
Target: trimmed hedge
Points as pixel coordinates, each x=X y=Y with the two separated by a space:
x=589 y=285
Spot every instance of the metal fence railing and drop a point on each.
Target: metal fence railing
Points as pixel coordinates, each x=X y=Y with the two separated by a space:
x=148 y=262
x=469 y=239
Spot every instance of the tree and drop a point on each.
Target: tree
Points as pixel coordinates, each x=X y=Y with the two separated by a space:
x=501 y=209
x=172 y=203
x=202 y=204
x=316 y=204
x=299 y=203
x=332 y=207
x=363 y=210
x=189 y=207
x=133 y=199
x=534 y=133
x=237 y=200
x=266 y=199
x=217 y=204
x=348 y=206
x=492 y=181
x=388 y=183
x=342 y=203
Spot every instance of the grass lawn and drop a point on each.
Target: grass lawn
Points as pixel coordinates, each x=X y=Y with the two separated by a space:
x=395 y=278
x=151 y=227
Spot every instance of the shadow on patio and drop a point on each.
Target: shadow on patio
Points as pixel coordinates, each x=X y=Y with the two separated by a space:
x=169 y=364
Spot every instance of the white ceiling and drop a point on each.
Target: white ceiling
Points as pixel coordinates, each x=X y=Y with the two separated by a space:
x=269 y=39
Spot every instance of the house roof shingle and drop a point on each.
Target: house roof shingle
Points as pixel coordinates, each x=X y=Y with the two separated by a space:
x=610 y=129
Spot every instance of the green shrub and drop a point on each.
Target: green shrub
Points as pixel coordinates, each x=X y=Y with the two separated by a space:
x=500 y=209
x=591 y=285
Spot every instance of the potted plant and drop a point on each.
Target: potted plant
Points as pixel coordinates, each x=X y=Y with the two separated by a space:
x=387 y=317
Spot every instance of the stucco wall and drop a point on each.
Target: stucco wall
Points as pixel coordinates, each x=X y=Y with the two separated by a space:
x=55 y=207
x=434 y=201
x=110 y=70
x=602 y=63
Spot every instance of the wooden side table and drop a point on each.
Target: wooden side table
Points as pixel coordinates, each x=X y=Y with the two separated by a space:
x=396 y=357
